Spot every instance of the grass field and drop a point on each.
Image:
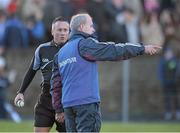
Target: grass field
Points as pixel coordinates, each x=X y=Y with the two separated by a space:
x=27 y=126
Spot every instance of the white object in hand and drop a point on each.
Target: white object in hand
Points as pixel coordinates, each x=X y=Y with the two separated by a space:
x=20 y=103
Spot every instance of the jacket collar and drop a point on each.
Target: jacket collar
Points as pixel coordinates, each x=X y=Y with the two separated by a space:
x=77 y=34
x=56 y=45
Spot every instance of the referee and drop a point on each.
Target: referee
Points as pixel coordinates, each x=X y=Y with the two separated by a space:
x=44 y=114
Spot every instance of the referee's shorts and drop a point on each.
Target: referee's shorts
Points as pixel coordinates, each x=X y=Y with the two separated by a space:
x=44 y=117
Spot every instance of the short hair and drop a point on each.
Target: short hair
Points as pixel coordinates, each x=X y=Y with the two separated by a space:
x=60 y=18
x=77 y=20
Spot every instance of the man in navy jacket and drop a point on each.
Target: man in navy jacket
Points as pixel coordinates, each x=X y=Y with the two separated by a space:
x=74 y=82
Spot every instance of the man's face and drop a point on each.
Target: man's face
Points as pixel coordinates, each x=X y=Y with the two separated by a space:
x=60 y=31
x=88 y=26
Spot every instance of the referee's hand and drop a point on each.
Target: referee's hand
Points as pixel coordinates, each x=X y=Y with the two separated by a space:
x=59 y=117
x=19 y=96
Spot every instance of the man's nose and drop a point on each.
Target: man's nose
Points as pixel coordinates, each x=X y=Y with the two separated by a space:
x=62 y=33
x=93 y=29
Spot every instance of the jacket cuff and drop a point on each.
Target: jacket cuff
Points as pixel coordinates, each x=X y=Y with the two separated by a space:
x=143 y=49
x=59 y=110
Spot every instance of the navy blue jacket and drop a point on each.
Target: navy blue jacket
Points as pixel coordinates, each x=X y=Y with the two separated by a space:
x=92 y=50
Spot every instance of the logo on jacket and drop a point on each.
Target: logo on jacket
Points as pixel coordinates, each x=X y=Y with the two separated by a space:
x=67 y=61
x=45 y=60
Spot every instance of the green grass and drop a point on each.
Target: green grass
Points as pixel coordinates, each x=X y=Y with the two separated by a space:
x=27 y=126
x=140 y=127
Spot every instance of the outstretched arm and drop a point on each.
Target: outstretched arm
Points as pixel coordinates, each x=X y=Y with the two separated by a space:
x=93 y=50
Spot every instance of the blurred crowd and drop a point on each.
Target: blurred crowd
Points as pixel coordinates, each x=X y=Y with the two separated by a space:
x=27 y=23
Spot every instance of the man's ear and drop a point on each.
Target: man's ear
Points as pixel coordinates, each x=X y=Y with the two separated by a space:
x=81 y=27
x=52 y=31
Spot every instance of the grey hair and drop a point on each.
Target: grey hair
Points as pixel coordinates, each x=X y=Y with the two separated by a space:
x=77 y=20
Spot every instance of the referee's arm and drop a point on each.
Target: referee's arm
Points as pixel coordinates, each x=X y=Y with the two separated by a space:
x=34 y=67
x=27 y=78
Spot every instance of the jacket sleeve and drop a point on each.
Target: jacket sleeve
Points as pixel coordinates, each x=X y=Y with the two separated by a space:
x=56 y=87
x=93 y=50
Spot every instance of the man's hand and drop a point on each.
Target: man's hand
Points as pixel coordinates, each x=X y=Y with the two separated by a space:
x=152 y=49
x=19 y=96
x=59 y=117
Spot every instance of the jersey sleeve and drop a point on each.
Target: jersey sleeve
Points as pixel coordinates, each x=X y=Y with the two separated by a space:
x=27 y=78
x=37 y=60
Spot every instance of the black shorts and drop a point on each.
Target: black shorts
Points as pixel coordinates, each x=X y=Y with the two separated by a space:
x=44 y=115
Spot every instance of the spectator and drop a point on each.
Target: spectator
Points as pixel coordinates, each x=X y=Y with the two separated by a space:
x=151 y=5
x=150 y=29
x=170 y=25
x=15 y=33
x=168 y=68
x=14 y=7
x=167 y=4
x=131 y=25
x=4 y=84
x=79 y=5
x=4 y=4
x=5 y=81
x=35 y=29
x=117 y=30
x=2 y=31
x=100 y=17
x=34 y=8
x=135 y=5
x=60 y=8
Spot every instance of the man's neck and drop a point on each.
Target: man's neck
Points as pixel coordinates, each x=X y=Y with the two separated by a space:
x=57 y=43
